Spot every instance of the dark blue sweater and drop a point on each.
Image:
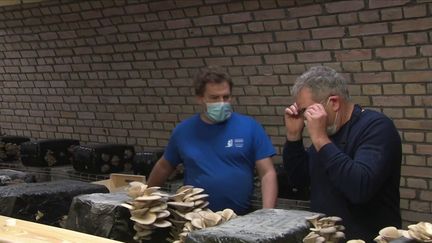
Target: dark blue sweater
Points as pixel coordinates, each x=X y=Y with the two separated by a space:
x=356 y=177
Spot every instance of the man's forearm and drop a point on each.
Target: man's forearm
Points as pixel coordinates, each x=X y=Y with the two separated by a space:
x=269 y=190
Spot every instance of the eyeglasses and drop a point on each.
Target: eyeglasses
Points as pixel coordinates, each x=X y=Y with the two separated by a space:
x=301 y=111
x=322 y=102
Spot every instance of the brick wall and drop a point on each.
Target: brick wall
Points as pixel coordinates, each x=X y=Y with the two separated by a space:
x=119 y=71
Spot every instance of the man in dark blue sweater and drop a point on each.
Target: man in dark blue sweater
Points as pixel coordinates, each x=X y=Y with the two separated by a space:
x=353 y=164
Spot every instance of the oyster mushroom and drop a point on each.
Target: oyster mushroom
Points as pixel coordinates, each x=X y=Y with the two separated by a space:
x=356 y=241
x=421 y=231
x=145 y=219
x=314 y=219
x=390 y=233
x=311 y=237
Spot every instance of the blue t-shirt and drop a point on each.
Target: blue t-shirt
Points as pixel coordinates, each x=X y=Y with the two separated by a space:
x=220 y=158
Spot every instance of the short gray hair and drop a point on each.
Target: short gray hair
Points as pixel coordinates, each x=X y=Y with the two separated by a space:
x=323 y=82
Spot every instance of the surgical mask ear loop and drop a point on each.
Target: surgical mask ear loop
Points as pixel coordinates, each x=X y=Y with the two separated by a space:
x=332 y=129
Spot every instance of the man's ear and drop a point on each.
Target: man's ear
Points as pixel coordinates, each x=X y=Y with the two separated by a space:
x=200 y=99
x=335 y=102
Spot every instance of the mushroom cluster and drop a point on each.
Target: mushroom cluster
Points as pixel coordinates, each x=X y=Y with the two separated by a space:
x=186 y=199
x=421 y=231
x=148 y=209
x=388 y=234
x=325 y=229
x=50 y=158
x=9 y=150
x=204 y=219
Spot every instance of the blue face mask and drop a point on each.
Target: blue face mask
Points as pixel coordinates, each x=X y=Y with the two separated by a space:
x=218 y=111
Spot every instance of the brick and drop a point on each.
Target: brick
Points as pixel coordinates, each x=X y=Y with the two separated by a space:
x=308 y=22
x=305 y=11
x=289 y=24
x=292 y=35
x=171 y=44
x=372 y=89
x=418 y=63
x=377 y=77
x=426 y=50
x=226 y=40
x=413 y=76
x=247 y=60
x=351 y=43
x=252 y=100
x=419 y=206
x=70 y=17
x=394 y=40
x=257 y=38
x=368 y=29
x=129 y=100
x=351 y=66
x=162 y=5
x=167 y=64
x=312 y=45
x=391 y=101
x=321 y=56
x=353 y=55
x=137 y=8
x=372 y=41
x=62 y=68
x=330 y=32
x=193 y=62
x=384 y=4
x=415 y=11
x=327 y=20
x=369 y=16
x=218 y=61
x=348 y=18
x=414 y=137
x=425 y=149
x=237 y=18
x=412 y=124
x=269 y=14
x=205 y=21
x=415 y=160
x=426 y=195
x=179 y=23
x=264 y=80
x=393 y=89
x=92 y=14
x=416 y=171
x=345 y=6
x=391 y=14
x=393 y=65
x=415 y=113
x=415 y=217
x=272 y=25
x=331 y=44
x=415 y=89
x=370 y=66
x=412 y=25
x=27 y=69
x=26 y=54
x=396 y=52
x=416 y=38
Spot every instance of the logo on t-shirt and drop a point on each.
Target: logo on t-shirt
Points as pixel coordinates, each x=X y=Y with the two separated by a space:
x=236 y=142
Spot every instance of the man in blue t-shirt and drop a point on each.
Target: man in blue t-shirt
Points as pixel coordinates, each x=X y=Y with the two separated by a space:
x=220 y=150
x=353 y=166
